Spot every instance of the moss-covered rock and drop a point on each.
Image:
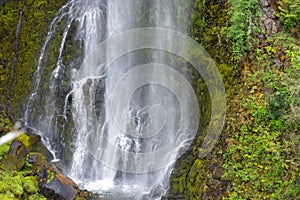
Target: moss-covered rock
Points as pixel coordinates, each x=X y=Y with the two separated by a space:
x=31 y=175
x=16 y=157
x=36 y=145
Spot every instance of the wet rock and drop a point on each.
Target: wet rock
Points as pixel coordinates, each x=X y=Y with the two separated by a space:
x=155 y=193
x=88 y=195
x=38 y=146
x=61 y=187
x=16 y=157
x=54 y=185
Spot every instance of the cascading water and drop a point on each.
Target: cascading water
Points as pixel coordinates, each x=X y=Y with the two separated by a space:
x=118 y=163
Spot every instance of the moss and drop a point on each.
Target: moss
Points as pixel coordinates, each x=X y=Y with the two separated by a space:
x=3 y=150
x=36 y=18
x=25 y=139
x=15 y=185
x=7 y=181
x=208 y=21
x=29 y=185
x=5 y=122
x=51 y=176
x=37 y=197
x=7 y=196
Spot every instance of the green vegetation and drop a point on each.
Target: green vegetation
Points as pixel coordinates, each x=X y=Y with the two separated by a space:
x=262 y=158
x=18 y=184
x=35 y=21
x=243 y=26
x=258 y=153
x=289 y=12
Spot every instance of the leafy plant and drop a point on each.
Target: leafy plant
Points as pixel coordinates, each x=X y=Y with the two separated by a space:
x=262 y=158
x=244 y=15
x=289 y=12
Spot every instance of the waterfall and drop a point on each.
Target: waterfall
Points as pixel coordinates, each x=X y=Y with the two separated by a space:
x=122 y=125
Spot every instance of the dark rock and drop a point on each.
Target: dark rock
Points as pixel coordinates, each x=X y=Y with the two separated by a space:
x=36 y=159
x=61 y=187
x=54 y=185
x=16 y=157
x=39 y=164
x=38 y=146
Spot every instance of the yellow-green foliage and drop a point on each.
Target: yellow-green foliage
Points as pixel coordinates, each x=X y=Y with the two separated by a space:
x=196 y=178
x=5 y=123
x=51 y=176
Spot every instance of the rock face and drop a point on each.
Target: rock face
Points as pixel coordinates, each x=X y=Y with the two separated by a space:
x=268 y=21
x=53 y=184
x=60 y=187
x=38 y=146
x=16 y=157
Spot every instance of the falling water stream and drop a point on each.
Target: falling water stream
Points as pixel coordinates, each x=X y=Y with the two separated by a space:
x=117 y=164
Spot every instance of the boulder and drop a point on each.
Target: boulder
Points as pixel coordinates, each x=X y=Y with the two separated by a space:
x=38 y=146
x=16 y=156
x=60 y=187
x=54 y=185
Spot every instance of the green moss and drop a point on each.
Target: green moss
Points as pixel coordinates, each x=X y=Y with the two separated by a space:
x=209 y=32
x=36 y=18
x=25 y=139
x=7 y=181
x=29 y=185
x=14 y=185
x=3 y=150
x=289 y=12
x=51 y=176
x=7 y=196
x=37 y=197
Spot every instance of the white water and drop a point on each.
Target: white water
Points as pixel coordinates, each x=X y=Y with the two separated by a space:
x=118 y=164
